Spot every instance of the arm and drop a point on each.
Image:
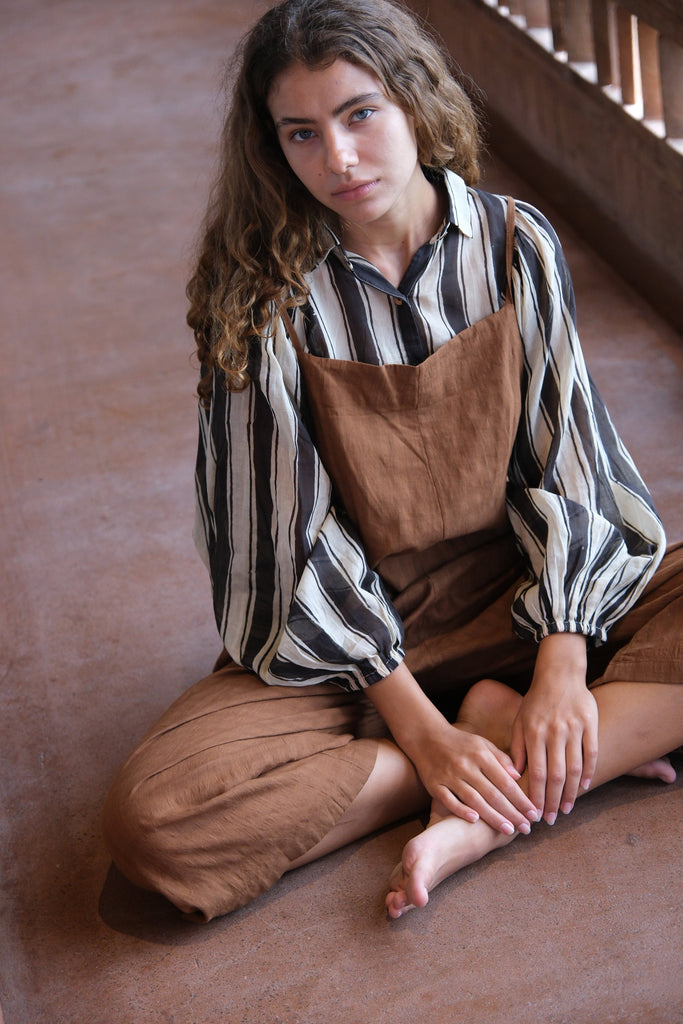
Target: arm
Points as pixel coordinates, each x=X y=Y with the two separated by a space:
x=583 y=517
x=580 y=510
x=294 y=598
x=470 y=776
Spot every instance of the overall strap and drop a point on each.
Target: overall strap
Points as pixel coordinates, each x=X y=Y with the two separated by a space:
x=509 y=246
x=291 y=331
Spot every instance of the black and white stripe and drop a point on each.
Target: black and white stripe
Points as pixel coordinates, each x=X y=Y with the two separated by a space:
x=294 y=597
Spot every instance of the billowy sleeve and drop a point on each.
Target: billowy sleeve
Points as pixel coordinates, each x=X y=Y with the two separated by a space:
x=294 y=598
x=580 y=510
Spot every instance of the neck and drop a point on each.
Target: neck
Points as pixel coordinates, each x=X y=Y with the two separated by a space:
x=390 y=244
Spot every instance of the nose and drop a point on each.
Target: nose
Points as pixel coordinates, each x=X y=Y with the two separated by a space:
x=340 y=154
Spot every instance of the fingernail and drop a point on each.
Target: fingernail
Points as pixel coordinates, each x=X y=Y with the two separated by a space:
x=515 y=774
x=585 y=783
x=566 y=807
x=534 y=814
x=524 y=827
x=551 y=819
x=508 y=828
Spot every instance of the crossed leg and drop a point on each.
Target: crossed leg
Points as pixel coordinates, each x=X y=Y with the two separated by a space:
x=638 y=723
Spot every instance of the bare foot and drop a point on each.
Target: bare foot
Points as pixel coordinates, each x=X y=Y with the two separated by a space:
x=446 y=845
x=661 y=768
x=449 y=843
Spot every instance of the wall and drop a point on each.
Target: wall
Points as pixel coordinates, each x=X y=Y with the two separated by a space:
x=620 y=185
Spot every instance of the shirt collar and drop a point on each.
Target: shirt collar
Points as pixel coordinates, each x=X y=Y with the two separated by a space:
x=458 y=215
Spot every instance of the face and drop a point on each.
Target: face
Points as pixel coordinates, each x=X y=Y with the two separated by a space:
x=347 y=142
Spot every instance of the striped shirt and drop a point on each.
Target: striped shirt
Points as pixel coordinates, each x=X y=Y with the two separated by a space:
x=294 y=596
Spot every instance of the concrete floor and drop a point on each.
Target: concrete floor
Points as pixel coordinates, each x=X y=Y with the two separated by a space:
x=109 y=111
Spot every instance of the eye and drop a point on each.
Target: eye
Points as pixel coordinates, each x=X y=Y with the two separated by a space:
x=363 y=114
x=302 y=135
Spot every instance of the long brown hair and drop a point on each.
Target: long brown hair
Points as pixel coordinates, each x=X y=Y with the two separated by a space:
x=263 y=230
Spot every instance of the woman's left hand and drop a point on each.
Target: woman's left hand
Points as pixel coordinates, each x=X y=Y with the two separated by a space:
x=555 y=733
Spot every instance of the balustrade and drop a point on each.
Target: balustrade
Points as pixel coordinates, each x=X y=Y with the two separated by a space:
x=631 y=49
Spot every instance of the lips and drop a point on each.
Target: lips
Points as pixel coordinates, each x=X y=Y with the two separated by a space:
x=354 y=190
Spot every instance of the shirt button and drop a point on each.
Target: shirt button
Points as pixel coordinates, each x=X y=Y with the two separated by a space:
x=399 y=302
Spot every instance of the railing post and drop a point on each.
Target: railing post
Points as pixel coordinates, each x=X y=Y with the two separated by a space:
x=671 y=67
x=578 y=31
x=648 y=45
x=557 y=25
x=537 y=14
x=603 y=39
x=626 y=23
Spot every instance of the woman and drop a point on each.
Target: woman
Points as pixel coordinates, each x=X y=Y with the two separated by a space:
x=401 y=456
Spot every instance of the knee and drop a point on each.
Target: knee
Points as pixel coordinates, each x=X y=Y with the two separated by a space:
x=133 y=831
x=485 y=695
x=161 y=844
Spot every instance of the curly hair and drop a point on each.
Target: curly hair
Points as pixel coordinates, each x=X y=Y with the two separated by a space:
x=263 y=230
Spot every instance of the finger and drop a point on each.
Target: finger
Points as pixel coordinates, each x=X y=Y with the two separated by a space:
x=574 y=768
x=590 y=751
x=506 y=763
x=556 y=777
x=517 y=746
x=493 y=807
x=517 y=801
x=455 y=806
x=537 y=770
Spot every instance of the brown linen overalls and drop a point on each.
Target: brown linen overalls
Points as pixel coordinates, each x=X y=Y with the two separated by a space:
x=238 y=779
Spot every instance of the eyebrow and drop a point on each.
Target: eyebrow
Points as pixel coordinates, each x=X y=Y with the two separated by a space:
x=364 y=97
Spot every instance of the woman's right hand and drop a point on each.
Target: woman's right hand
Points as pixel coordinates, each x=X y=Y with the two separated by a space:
x=472 y=779
x=466 y=773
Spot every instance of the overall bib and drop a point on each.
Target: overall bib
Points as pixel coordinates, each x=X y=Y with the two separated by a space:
x=238 y=779
x=418 y=456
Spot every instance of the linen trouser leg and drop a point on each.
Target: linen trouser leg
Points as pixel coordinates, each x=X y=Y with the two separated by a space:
x=238 y=779
x=646 y=645
x=235 y=782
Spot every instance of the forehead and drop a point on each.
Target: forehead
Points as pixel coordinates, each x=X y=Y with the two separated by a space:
x=298 y=90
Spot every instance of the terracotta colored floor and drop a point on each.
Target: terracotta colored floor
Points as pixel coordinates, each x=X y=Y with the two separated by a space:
x=109 y=112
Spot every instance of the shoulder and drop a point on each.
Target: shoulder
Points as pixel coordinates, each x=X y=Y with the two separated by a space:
x=483 y=215
x=538 y=256
x=530 y=223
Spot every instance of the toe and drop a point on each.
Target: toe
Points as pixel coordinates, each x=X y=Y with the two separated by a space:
x=397 y=904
